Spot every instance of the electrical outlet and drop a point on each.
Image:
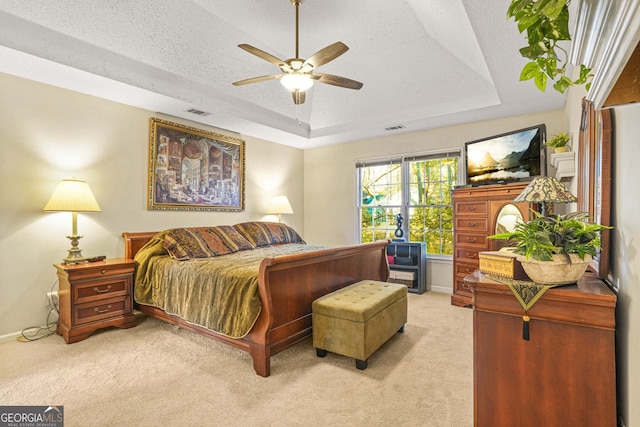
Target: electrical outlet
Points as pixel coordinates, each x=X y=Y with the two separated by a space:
x=52 y=299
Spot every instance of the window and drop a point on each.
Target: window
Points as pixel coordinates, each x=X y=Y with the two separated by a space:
x=419 y=188
x=381 y=199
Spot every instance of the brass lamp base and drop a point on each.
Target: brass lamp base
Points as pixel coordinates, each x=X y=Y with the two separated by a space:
x=75 y=253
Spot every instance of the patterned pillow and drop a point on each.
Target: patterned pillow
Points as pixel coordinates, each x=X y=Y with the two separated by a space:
x=204 y=242
x=268 y=233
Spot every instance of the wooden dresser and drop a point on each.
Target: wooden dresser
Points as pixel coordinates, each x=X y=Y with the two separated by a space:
x=564 y=375
x=475 y=211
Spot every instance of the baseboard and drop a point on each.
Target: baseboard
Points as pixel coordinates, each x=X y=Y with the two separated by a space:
x=10 y=337
x=15 y=336
x=442 y=289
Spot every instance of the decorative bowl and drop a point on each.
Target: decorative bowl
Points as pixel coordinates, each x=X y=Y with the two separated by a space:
x=562 y=270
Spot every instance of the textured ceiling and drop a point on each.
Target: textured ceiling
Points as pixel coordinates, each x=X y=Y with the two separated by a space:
x=424 y=63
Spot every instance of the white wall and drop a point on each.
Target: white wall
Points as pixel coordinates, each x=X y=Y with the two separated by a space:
x=331 y=216
x=625 y=267
x=47 y=134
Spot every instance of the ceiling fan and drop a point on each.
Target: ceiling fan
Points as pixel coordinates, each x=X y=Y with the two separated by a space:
x=297 y=74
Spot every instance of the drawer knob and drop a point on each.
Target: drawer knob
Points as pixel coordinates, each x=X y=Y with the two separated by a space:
x=97 y=310
x=471 y=239
x=471 y=207
x=471 y=255
x=103 y=271
x=102 y=291
x=472 y=223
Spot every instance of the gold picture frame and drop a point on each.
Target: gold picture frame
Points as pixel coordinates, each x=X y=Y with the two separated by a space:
x=194 y=169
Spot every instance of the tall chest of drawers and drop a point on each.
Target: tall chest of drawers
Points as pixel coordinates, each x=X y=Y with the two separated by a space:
x=475 y=214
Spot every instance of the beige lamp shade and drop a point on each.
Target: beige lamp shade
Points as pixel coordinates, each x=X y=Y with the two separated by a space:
x=280 y=205
x=545 y=190
x=73 y=195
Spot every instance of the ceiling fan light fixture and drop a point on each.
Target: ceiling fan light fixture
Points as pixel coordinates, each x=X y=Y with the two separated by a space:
x=299 y=74
x=296 y=82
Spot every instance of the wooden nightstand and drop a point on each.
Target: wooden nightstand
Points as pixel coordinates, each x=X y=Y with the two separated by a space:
x=93 y=296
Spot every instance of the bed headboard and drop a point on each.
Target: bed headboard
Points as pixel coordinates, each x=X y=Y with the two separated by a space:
x=134 y=241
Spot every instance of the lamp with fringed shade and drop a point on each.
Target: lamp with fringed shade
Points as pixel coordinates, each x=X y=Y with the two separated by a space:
x=73 y=195
x=545 y=190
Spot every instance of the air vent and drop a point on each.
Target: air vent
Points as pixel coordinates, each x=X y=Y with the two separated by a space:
x=198 y=112
x=395 y=127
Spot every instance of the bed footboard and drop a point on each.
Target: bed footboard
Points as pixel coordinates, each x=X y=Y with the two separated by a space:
x=289 y=284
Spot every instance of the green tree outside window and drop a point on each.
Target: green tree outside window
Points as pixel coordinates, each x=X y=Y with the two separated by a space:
x=418 y=189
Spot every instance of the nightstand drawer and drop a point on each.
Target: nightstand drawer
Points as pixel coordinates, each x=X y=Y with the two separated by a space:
x=100 y=289
x=86 y=313
x=95 y=271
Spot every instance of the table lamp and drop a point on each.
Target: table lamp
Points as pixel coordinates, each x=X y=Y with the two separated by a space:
x=545 y=190
x=73 y=195
x=280 y=205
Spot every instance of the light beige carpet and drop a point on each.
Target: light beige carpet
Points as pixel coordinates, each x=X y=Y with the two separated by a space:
x=158 y=375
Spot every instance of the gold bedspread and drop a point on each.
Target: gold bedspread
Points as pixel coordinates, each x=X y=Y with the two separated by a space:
x=219 y=293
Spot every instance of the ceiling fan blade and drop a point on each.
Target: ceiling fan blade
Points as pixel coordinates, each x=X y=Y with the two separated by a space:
x=262 y=54
x=256 y=80
x=326 y=54
x=299 y=97
x=330 y=79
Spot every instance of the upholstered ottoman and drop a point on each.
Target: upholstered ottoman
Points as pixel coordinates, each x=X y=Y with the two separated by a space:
x=356 y=320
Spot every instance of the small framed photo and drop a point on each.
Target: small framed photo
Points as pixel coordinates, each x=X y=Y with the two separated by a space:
x=194 y=169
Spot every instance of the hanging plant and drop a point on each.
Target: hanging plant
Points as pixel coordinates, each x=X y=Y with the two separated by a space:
x=546 y=23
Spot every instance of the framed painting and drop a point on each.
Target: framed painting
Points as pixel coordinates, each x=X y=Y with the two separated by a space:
x=595 y=172
x=194 y=169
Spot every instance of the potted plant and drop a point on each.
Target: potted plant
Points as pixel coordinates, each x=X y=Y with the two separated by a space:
x=555 y=249
x=559 y=142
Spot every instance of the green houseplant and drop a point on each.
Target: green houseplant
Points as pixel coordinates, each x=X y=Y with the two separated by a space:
x=547 y=25
x=555 y=249
x=559 y=142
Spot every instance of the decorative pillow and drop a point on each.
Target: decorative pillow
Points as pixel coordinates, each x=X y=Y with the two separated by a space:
x=204 y=242
x=268 y=233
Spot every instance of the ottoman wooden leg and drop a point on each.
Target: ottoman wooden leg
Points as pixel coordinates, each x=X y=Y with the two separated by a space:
x=361 y=364
x=320 y=352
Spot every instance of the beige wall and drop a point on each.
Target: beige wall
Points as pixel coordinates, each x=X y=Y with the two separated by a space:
x=331 y=216
x=47 y=134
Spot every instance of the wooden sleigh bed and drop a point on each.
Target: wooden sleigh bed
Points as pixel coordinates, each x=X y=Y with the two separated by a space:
x=287 y=286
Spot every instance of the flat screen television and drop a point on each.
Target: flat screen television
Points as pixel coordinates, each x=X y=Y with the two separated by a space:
x=508 y=157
